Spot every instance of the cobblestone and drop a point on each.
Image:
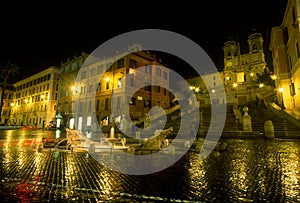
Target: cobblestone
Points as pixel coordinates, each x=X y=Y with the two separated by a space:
x=250 y=170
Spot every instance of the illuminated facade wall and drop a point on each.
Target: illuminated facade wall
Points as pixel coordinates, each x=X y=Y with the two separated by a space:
x=285 y=48
x=240 y=68
x=207 y=92
x=99 y=80
x=34 y=98
x=68 y=74
x=5 y=117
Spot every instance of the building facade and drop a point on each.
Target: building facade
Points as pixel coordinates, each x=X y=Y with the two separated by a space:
x=68 y=74
x=5 y=116
x=285 y=48
x=34 y=100
x=241 y=69
x=104 y=90
x=207 y=92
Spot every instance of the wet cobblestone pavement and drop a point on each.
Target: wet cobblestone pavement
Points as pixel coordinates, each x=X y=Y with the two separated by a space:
x=250 y=170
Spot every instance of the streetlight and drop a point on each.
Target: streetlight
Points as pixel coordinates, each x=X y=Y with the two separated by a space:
x=273 y=77
x=281 y=95
x=234 y=87
x=26 y=111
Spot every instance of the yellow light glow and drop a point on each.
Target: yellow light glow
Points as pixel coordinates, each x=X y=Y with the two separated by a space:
x=196 y=89
x=227 y=78
x=234 y=85
x=280 y=89
x=25 y=100
x=252 y=74
x=213 y=91
x=273 y=77
x=107 y=79
x=42 y=96
x=261 y=85
x=12 y=104
x=192 y=87
x=73 y=88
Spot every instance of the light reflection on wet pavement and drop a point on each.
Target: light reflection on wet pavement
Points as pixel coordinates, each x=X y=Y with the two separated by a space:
x=249 y=171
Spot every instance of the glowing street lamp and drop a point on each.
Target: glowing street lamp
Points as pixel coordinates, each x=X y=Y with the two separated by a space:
x=234 y=89
x=273 y=77
x=261 y=85
x=281 y=95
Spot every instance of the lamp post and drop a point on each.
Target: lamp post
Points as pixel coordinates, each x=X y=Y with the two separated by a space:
x=281 y=95
x=234 y=91
x=26 y=112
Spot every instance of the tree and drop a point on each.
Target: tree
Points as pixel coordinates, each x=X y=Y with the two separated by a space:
x=265 y=78
x=7 y=70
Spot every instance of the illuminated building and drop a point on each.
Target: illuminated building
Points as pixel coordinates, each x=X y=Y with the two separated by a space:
x=285 y=48
x=108 y=84
x=241 y=69
x=5 y=116
x=34 y=99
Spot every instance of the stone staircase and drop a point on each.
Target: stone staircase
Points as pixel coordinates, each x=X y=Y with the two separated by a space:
x=231 y=124
x=282 y=126
x=232 y=127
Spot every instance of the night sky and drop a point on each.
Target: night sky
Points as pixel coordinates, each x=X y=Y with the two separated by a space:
x=37 y=38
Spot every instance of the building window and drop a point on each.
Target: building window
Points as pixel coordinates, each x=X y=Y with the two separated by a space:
x=90 y=88
x=158 y=72
x=294 y=16
x=82 y=90
x=290 y=63
x=108 y=67
x=147 y=87
x=132 y=63
x=100 y=69
x=107 y=85
x=119 y=84
x=118 y=103
x=120 y=63
x=73 y=106
x=106 y=104
x=147 y=104
x=98 y=87
x=83 y=75
x=132 y=101
x=92 y=72
x=131 y=82
x=90 y=106
x=80 y=106
x=97 y=105
x=297 y=48
x=165 y=76
x=148 y=69
x=66 y=106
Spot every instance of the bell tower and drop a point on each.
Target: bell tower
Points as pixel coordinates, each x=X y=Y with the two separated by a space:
x=255 y=42
x=230 y=49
